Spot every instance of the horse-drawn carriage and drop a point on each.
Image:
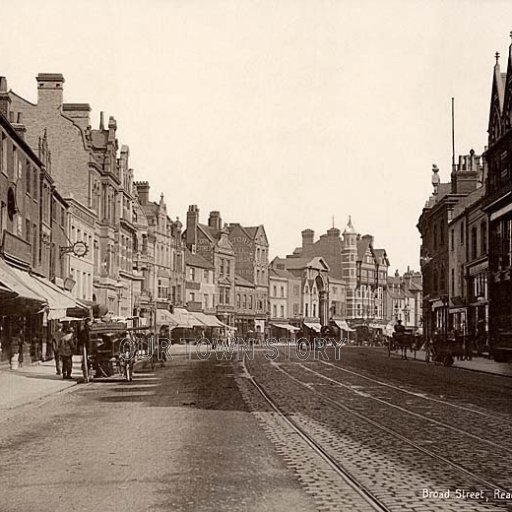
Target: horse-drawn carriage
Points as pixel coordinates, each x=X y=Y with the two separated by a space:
x=446 y=348
x=114 y=348
x=402 y=341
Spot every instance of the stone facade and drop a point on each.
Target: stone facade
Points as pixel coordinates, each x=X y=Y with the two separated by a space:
x=199 y=284
x=404 y=299
x=162 y=251
x=312 y=274
x=246 y=297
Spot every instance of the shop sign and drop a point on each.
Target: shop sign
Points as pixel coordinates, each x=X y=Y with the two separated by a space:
x=16 y=248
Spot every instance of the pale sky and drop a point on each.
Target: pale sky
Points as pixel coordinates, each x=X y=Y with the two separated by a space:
x=283 y=113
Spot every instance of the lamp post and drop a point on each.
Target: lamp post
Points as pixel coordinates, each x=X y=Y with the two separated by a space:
x=119 y=287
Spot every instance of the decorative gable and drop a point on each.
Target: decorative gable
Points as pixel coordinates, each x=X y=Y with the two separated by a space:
x=507 y=99
x=495 y=128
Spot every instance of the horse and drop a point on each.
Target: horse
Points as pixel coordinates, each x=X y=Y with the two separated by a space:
x=403 y=341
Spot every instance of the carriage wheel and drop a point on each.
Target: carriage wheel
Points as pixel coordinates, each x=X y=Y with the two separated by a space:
x=448 y=360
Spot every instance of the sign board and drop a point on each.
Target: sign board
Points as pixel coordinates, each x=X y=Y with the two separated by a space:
x=107 y=327
x=16 y=247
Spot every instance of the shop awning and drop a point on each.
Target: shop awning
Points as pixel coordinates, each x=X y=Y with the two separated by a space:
x=180 y=318
x=342 y=324
x=313 y=326
x=207 y=320
x=20 y=282
x=287 y=327
x=58 y=300
x=7 y=293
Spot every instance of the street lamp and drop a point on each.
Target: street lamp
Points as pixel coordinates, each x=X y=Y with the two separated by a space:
x=119 y=287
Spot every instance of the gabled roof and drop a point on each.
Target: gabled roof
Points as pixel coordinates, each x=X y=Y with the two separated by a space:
x=415 y=287
x=363 y=244
x=196 y=260
x=301 y=263
x=251 y=231
x=210 y=233
x=283 y=274
x=240 y=281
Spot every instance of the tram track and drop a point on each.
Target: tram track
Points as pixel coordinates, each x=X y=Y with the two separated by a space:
x=355 y=485
x=391 y=432
x=329 y=435
x=405 y=410
x=412 y=393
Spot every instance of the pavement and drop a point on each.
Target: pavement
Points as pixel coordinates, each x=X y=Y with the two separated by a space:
x=33 y=382
x=177 y=438
x=477 y=364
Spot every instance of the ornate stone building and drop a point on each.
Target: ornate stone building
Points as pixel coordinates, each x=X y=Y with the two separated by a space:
x=356 y=266
x=162 y=251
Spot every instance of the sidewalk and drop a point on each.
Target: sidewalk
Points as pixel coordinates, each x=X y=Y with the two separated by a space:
x=477 y=364
x=33 y=382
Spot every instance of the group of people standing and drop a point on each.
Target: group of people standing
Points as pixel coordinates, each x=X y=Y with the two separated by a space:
x=64 y=344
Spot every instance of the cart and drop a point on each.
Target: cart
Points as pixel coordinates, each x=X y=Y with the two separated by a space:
x=444 y=350
x=114 y=349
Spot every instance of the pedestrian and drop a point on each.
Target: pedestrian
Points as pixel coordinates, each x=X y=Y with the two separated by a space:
x=468 y=352
x=66 y=350
x=428 y=350
x=84 y=341
x=57 y=336
x=20 y=341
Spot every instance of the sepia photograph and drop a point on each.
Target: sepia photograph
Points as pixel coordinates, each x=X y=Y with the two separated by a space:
x=255 y=255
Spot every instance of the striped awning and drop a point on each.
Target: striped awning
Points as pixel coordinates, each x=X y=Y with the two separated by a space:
x=313 y=326
x=21 y=283
x=287 y=327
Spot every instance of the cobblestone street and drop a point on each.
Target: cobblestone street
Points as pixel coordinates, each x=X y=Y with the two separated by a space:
x=331 y=435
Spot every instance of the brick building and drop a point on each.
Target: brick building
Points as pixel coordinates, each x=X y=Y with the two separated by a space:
x=251 y=264
x=76 y=174
x=433 y=225
x=33 y=230
x=199 y=284
x=356 y=266
x=212 y=242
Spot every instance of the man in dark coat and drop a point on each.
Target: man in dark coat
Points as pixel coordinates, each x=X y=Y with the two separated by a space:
x=57 y=336
x=67 y=348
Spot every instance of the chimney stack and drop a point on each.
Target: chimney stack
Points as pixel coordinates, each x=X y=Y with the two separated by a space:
x=102 y=120
x=112 y=127
x=192 y=222
x=5 y=99
x=308 y=237
x=142 y=192
x=19 y=126
x=49 y=89
x=215 y=221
